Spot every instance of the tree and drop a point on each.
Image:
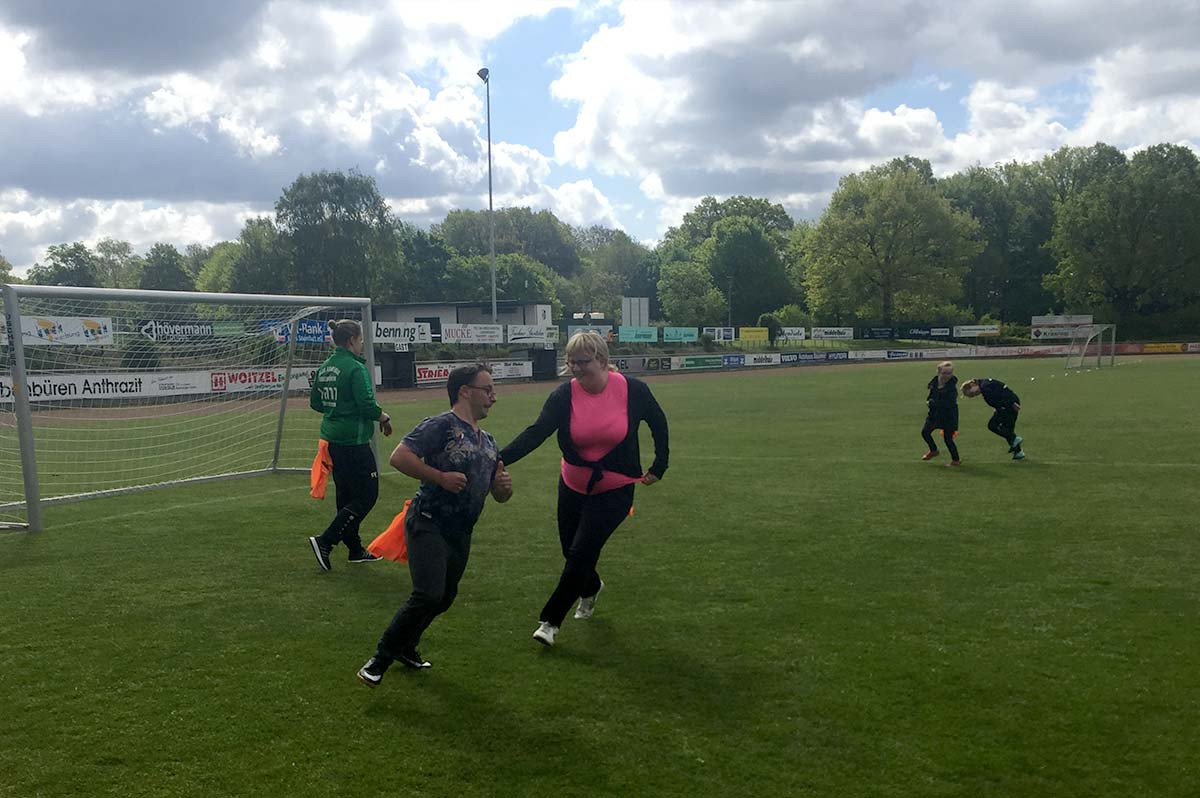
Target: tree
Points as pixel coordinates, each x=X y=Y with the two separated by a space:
x=6 y=270
x=910 y=163
x=164 y=270
x=590 y=239
x=797 y=253
x=467 y=233
x=540 y=236
x=793 y=316
x=688 y=295
x=66 y=264
x=420 y=278
x=980 y=192
x=545 y=239
x=1131 y=239
x=630 y=262
x=1070 y=170
x=260 y=266
x=774 y=327
x=889 y=243
x=697 y=225
x=338 y=233
x=194 y=258
x=216 y=275
x=595 y=289
x=745 y=264
x=1028 y=250
x=518 y=277
x=117 y=264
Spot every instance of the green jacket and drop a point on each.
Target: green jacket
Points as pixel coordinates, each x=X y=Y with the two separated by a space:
x=342 y=391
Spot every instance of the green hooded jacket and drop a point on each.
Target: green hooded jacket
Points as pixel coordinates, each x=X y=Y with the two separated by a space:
x=342 y=391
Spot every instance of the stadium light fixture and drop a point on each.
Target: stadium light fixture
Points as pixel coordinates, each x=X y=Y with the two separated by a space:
x=484 y=75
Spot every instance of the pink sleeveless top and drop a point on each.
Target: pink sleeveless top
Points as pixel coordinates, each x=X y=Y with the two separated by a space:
x=599 y=422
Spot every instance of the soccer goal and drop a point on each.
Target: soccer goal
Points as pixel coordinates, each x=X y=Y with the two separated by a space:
x=107 y=391
x=1088 y=341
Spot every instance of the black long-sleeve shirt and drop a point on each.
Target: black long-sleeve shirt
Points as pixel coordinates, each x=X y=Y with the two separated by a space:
x=943 y=399
x=625 y=458
x=997 y=394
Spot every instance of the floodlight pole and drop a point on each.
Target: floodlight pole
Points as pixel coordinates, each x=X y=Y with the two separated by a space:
x=484 y=75
x=730 y=322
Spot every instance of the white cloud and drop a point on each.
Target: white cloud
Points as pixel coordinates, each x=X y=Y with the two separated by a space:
x=181 y=100
x=577 y=203
x=348 y=29
x=676 y=98
x=250 y=138
x=142 y=224
x=1141 y=98
x=913 y=130
x=37 y=94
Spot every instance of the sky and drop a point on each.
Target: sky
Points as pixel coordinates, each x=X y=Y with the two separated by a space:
x=177 y=120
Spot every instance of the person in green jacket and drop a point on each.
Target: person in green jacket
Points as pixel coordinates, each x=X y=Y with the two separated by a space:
x=342 y=392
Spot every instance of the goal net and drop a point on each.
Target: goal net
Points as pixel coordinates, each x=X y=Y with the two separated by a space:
x=1091 y=341
x=113 y=391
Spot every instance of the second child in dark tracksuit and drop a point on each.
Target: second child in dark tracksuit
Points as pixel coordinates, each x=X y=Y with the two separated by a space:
x=1006 y=404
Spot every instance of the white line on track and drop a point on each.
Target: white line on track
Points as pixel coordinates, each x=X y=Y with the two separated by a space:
x=166 y=508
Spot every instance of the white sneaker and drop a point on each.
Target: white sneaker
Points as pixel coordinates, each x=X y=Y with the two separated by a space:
x=545 y=633
x=587 y=605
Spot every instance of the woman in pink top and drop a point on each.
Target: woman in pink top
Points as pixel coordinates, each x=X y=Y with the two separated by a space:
x=596 y=416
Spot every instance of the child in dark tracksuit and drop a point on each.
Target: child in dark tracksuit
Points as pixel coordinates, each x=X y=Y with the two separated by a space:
x=1007 y=405
x=943 y=412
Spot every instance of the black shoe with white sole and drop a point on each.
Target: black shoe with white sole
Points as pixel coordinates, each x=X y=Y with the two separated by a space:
x=321 y=552
x=413 y=659
x=364 y=556
x=371 y=674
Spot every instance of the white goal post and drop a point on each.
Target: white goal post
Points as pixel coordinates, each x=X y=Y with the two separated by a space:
x=111 y=391
x=1088 y=340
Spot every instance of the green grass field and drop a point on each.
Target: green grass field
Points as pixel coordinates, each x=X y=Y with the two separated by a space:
x=801 y=607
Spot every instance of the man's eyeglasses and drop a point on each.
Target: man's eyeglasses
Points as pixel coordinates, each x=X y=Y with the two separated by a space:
x=490 y=390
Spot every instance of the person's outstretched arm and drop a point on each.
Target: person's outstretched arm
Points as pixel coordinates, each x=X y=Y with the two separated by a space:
x=555 y=411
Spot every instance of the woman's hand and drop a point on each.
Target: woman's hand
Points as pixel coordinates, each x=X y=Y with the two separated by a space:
x=502 y=489
x=649 y=479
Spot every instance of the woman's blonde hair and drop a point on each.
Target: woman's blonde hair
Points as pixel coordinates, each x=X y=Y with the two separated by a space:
x=588 y=343
x=969 y=384
x=946 y=364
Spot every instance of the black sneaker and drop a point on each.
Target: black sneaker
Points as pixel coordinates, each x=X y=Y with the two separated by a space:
x=321 y=552
x=413 y=659
x=371 y=674
x=364 y=556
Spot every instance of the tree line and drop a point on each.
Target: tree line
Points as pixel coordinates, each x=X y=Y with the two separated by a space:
x=1082 y=230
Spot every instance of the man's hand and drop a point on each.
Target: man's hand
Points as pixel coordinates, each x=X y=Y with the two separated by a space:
x=385 y=425
x=452 y=481
x=649 y=479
